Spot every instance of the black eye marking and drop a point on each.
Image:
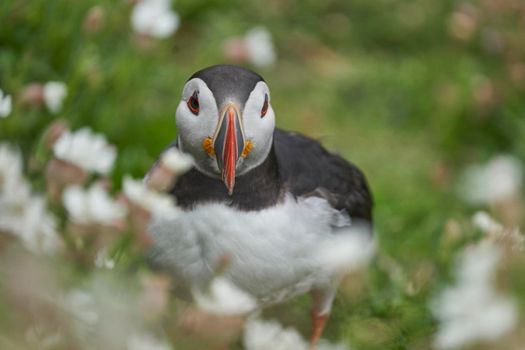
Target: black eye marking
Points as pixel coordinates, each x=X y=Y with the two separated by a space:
x=193 y=103
x=265 y=106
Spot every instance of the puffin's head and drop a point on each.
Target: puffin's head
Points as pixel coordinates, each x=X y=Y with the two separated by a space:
x=225 y=121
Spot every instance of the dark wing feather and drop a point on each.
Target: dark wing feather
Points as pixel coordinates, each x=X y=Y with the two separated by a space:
x=306 y=168
x=296 y=164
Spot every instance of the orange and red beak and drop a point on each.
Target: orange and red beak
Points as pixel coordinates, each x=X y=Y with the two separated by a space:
x=229 y=144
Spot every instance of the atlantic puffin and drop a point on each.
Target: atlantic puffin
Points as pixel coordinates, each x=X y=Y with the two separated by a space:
x=264 y=197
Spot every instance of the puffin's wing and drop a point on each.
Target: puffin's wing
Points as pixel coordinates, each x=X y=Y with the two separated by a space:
x=307 y=168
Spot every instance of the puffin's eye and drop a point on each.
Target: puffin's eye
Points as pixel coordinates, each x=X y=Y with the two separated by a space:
x=193 y=103
x=265 y=106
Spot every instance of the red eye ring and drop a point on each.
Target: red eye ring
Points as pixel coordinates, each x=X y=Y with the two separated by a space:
x=264 y=109
x=193 y=103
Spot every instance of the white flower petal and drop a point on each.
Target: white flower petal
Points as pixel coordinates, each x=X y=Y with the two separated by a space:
x=87 y=150
x=346 y=251
x=94 y=206
x=154 y=18
x=5 y=104
x=497 y=180
x=483 y=221
x=177 y=161
x=22 y=214
x=270 y=335
x=154 y=202
x=82 y=305
x=54 y=94
x=260 y=47
x=224 y=298
x=472 y=310
x=146 y=341
x=10 y=166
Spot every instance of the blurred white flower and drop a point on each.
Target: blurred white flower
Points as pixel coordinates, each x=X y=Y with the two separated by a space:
x=82 y=305
x=224 y=298
x=26 y=217
x=14 y=189
x=177 y=161
x=104 y=311
x=92 y=206
x=22 y=214
x=10 y=166
x=170 y=166
x=497 y=180
x=484 y=222
x=87 y=150
x=39 y=230
x=54 y=94
x=497 y=232
x=270 y=335
x=472 y=310
x=154 y=202
x=103 y=261
x=346 y=251
x=154 y=18
x=5 y=104
x=146 y=341
x=259 y=44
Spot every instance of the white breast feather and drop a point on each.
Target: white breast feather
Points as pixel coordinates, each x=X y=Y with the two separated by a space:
x=272 y=251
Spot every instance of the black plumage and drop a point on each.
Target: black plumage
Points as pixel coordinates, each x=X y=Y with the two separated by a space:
x=229 y=83
x=296 y=164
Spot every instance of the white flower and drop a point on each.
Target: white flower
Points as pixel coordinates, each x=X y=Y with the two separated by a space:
x=483 y=221
x=10 y=166
x=472 y=310
x=28 y=219
x=346 y=251
x=87 y=150
x=269 y=335
x=5 y=104
x=499 y=179
x=54 y=94
x=497 y=232
x=146 y=341
x=177 y=161
x=102 y=312
x=82 y=305
x=224 y=298
x=21 y=214
x=154 y=202
x=260 y=47
x=94 y=206
x=40 y=228
x=102 y=260
x=154 y=18
x=14 y=189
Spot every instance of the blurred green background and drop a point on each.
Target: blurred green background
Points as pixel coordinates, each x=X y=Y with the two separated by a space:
x=410 y=91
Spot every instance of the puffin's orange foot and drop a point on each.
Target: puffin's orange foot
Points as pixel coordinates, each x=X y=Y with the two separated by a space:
x=318 y=323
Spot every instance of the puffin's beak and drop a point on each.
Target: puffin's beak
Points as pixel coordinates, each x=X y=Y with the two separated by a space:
x=229 y=143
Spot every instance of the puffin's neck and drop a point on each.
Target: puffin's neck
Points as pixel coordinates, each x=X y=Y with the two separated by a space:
x=257 y=189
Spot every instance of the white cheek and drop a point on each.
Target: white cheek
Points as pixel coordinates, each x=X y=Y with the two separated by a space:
x=193 y=129
x=260 y=132
x=256 y=128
